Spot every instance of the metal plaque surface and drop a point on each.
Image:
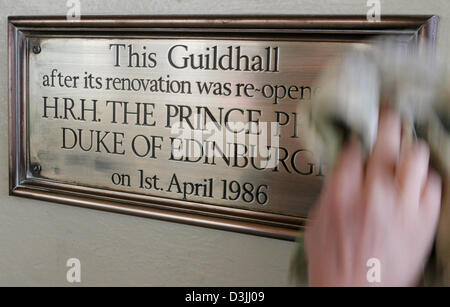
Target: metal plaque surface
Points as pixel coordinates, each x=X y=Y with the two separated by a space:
x=198 y=128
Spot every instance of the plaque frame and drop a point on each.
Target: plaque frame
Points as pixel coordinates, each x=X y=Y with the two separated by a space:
x=23 y=177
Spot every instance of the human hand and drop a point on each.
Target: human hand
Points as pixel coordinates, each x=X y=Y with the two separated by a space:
x=387 y=210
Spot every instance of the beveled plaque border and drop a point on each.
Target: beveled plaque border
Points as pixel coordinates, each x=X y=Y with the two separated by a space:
x=23 y=181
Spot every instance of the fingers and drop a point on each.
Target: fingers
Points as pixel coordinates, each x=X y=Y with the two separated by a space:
x=347 y=178
x=337 y=212
x=412 y=173
x=387 y=146
x=379 y=184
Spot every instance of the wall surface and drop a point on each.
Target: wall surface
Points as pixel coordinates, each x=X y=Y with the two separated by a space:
x=37 y=238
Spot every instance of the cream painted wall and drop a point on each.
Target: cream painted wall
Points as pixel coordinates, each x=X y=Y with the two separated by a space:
x=36 y=238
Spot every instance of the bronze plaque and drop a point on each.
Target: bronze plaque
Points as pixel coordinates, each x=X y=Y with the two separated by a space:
x=196 y=120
